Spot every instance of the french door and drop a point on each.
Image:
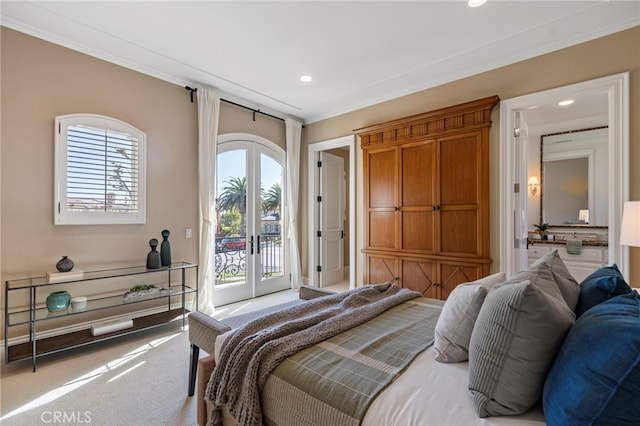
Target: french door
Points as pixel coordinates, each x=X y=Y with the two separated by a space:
x=251 y=247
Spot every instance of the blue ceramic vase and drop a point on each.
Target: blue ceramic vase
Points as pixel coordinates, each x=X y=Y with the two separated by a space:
x=58 y=301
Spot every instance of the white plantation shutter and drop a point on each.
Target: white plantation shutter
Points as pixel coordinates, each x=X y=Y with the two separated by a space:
x=100 y=169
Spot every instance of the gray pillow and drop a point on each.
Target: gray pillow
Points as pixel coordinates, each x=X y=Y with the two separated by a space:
x=568 y=285
x=459 y=313
x=542 y=275
x=518 y=332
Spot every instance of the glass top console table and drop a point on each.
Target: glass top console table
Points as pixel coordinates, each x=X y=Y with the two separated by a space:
x=174 y=284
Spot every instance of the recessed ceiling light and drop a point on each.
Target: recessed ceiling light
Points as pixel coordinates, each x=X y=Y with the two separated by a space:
x=566 y=102
x=476 y=3
x=306 y=78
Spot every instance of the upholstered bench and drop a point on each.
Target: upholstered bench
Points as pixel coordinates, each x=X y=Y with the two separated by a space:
x=204 y=329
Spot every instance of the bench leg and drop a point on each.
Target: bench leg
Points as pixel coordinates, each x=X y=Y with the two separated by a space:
x=193 y=367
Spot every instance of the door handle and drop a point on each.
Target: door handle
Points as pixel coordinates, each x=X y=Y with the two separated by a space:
x=251 y=245
x=258 y=251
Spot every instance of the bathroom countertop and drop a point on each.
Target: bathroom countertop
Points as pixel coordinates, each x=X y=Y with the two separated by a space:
x=531 y=241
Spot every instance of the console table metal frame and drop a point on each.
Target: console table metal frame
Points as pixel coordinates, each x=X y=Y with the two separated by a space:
x=38 y=347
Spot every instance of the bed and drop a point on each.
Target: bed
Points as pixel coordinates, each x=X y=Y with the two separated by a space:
x=501 y=383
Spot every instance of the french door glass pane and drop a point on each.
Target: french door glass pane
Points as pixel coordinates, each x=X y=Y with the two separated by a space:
x=271 y=247
x=231 y=212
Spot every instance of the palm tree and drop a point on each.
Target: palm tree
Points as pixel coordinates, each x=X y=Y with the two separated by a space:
x=234 y=197
x=272 y=198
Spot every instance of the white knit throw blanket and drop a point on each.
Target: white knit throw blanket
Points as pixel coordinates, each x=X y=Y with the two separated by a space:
x=253 y=351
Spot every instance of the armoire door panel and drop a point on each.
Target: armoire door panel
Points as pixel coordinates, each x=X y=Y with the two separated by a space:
x=459 y=232
x=380 y=269
x=383 y=181
x=417 y=231
x=382 y=229
x=418 y=174
x=459 y=170
x=453 y=274
x=419 y=275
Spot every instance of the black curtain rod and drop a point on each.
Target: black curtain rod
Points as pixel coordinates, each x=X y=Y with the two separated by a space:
x=255 y=111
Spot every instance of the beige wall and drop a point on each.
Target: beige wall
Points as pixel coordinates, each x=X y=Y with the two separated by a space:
x=41 y=80
x=609 y=55
x=234 y=119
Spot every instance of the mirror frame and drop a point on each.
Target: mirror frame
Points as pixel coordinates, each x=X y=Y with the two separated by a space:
x=591 y=175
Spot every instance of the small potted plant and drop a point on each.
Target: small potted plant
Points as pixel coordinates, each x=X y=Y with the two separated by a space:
x=541 y=228
x=145 y=291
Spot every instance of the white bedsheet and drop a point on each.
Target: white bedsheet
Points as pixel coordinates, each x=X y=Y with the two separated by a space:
x=435 y=394
x=431 y=393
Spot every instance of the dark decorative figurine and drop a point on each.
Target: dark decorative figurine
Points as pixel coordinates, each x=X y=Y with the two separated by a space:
x=153 y=258
x=65 y=264
x=165 y=248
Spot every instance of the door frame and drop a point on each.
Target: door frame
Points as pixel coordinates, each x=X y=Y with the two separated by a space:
x=312 y=180
x=617 y=88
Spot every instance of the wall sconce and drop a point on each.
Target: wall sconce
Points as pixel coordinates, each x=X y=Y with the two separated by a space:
x=583 y=215
x=533 y=183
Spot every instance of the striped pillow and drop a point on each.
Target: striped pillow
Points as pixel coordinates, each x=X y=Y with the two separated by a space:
x=518 y=332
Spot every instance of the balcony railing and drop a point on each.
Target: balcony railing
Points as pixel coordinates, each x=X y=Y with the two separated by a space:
x=231 y=262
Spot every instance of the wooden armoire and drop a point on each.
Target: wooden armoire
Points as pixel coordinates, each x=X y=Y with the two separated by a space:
x=426 y=198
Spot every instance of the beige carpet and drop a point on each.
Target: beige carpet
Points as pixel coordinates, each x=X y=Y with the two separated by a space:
x=135 y=380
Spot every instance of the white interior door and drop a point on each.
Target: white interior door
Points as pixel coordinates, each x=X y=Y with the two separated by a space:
x=332 y=217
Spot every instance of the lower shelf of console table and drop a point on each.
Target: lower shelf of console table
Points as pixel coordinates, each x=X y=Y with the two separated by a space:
x=50 y=345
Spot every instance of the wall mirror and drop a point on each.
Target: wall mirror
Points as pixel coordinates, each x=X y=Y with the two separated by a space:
x=575 y=178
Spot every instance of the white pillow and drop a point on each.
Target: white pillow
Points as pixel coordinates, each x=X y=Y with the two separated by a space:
x=458 y=316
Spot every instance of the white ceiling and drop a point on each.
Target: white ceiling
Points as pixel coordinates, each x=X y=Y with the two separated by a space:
x=359 y=53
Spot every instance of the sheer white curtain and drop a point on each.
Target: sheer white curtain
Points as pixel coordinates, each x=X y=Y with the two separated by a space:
x=293 y=133
x=208 y=115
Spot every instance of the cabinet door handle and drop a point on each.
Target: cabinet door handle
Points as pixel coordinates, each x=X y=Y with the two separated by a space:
x=251 y=245
x=396 y=208
x=258 y=244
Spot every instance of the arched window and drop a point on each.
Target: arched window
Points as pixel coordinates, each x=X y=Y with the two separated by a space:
x=99 y=171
